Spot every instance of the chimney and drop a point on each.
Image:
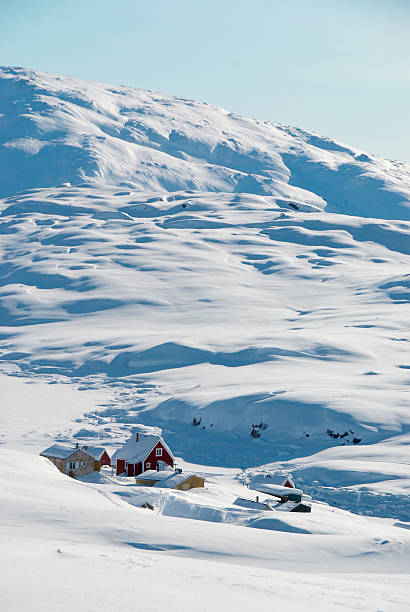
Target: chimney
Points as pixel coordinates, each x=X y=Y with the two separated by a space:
x=76 y=444
x=136 y=437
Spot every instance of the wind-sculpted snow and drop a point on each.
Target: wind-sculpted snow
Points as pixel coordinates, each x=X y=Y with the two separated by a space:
x=201 y=265
x=231 y=310
x=58 y=129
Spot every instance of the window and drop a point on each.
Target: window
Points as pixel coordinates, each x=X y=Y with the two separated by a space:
x=159 y=452
x=147 y=465
x=83 y=464
x=71 y=465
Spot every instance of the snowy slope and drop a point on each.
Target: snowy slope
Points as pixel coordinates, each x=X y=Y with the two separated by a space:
x=202 y=264
x=163 y=259
x=78 y=545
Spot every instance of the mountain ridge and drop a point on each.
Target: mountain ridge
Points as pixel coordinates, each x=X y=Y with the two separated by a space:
x=60 y=129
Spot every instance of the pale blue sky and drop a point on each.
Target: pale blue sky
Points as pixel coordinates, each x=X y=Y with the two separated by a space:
x=339 y=67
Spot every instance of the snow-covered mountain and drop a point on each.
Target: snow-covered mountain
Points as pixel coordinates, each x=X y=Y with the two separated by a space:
x=240 y=284
x=56 y=130
x=251 y=275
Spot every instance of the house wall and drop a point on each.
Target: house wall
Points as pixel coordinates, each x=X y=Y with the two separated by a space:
x=105 y=459
x=130 y=469
x=145 y=482
x=153 y=459
x=297 y=497
x=302 y=508
x=120 y=465
x=80 y=457
x=193 y=482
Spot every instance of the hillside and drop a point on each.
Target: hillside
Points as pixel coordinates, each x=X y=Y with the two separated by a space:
x=200 y=264
x=241 y=285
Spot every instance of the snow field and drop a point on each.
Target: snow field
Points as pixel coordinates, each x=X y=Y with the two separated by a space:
x=74 y=533
x=163 y=260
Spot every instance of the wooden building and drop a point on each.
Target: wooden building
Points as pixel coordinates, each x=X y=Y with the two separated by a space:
x=149 y=478
x=282 y=493
x=77 y=461
x=182 y=481
x=170 y=479
x=140 y=453
x=252 y=504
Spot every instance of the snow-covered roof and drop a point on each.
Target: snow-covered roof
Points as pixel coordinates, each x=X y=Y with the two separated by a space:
x=290 y=505
x=277 y=490
x=94 y=451
x=287 y=506
x=275 y=479
x=251 y=503
x=133 y=451
x=175 y=479
x=155 y=475
x=58 y=451
x=62 y=451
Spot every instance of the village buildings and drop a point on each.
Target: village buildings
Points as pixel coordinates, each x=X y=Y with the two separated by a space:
x=77 y=461
x=148 y=459
x=283 y=493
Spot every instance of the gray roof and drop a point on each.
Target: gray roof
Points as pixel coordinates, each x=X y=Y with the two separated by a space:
x=94 y=451
x=62 y=451
x=58 y=451
x=133 y=451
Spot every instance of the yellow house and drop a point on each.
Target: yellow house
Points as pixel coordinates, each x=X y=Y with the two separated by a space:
x=183 y=482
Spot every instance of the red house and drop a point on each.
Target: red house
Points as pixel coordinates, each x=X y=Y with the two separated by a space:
x=140 y=453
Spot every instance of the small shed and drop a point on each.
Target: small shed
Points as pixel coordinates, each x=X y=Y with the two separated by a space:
x=149 y=478
x=252 y=504
x=303 y=506
x=182 y=481
x=291 y=506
